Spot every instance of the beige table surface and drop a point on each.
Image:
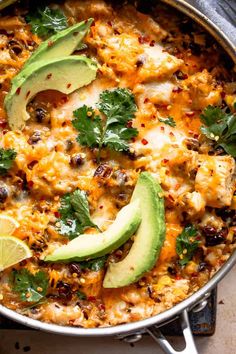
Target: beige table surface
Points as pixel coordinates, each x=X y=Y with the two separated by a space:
x=223 y=342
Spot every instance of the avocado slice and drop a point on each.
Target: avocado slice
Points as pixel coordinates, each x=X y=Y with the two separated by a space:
x=89 y=246
x=61 y=44
x=149 y=237
x=65 y=74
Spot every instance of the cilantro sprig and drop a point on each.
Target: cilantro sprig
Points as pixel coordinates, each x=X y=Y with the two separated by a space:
x=7 y=157
x=31 y=287
x=111 y=130
x=220 y=127
x=74 y=214
x=169 y=121
x=46 y=21
x=186 y=244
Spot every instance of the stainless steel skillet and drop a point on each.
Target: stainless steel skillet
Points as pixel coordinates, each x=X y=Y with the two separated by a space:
x=152 y=325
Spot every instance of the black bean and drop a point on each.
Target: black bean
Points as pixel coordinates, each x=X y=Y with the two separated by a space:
x=180 y=75
x=214 y=237
x=64 y=290
x=192 y=144
x=26 y=348
x=195 y=48
x=201 y=266
x=75 y=268
x=186 y=26
x=172 y=270
x=103 y=170
x=76 y=160
x=3 y=194
x=35 y=138
x=40 y=114
x=226 y=214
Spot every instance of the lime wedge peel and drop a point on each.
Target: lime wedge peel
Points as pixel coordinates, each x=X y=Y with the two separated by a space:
x=12 y=251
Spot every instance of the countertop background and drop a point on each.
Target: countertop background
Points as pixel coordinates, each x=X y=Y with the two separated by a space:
x=223 y=342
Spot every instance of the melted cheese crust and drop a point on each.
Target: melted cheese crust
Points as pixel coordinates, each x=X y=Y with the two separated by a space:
x=150 y=58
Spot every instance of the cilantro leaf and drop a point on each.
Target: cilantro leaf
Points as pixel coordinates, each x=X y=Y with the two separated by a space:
x=7 y=156
x=169 y=121
x=116 y=137
x=81 y=295
x=74 y=214
x=31 y=287
x=94 y=264
x=46 y=21
x=118 y=107
x=186 y=244
x=220 y=127
x=89 y=126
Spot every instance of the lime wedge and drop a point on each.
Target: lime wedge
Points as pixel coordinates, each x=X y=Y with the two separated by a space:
x=12 y=251
x=7 y=225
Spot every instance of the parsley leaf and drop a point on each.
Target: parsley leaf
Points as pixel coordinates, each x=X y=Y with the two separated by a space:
x=46 y=21
x=7 y=156
x=169 y=121
x=186 y=244
x=112 y=131
x=94 y=264
x=220 y=127
x=31 y=287
x=74 y=214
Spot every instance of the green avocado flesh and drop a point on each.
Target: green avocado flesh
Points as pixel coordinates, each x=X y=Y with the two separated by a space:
x=149 y=237
x=61 y=44
x=89 y=246
x=65 y=74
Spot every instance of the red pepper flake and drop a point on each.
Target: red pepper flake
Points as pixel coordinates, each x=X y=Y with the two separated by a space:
x=116 y=31
x=190 y=114
x=171 y=134
x=129 y=124
x=146 y=100
x=101 y=207
x=133 y=140
x=178 y=277
x=152 y=43
x=68 y=85
x=223 y=94
x=18 y=91
x=109 y=23
x=143 y=125
x=91 y=298
x=57 y=214
x=50 y=43
x=101 y=307
x=144 y=141
x=143 y=39
x=163 y=129
x=27 y=95
x=64 y=99
x=30 y=184
x=49 y=76
x=196 y=136
x=3 y=124
x=177 y=89
x=165 y=161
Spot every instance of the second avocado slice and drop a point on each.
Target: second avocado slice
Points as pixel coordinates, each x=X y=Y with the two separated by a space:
x=65 y=74
x=89 y=246
x=61 y=44
x=149 y=237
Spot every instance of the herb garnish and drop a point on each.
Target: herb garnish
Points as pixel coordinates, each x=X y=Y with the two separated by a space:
x=114 y=130
x=186 y=244
x=46 y=21
x=220 y=127
x=169 y=121
x=94 y=264
x=74 y=214
x=31 y=287
x=7 y=156
x=81 y=295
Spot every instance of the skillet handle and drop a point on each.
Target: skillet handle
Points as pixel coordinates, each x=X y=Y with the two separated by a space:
x=190 y=347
